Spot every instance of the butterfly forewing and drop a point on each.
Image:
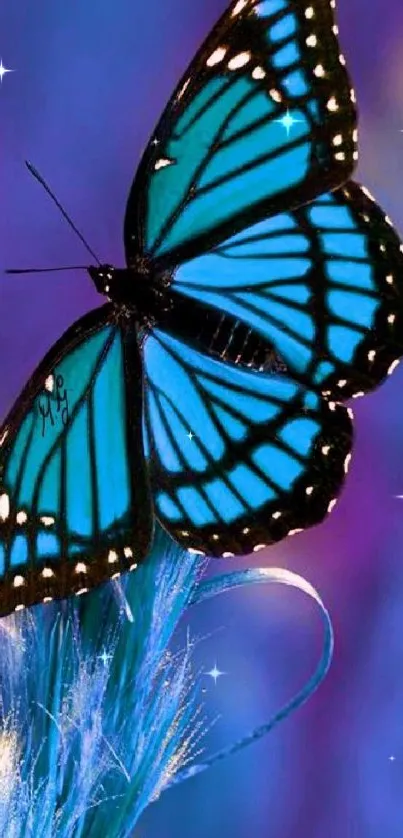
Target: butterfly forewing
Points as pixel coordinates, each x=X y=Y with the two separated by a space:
x=74 y=501
x=263 y=120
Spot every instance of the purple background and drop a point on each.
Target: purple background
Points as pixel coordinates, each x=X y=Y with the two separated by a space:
x=91 y=80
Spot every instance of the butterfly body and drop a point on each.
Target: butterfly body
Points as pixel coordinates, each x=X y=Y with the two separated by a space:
x=262 y=290
x=140 y=291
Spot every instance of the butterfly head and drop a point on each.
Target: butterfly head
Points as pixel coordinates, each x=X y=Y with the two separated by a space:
x=104 y=278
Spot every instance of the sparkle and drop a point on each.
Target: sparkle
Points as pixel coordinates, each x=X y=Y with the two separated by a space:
x=392 y=759
x=288 y=121
x=105 y=658
x=3 y=70
x=190 y=435
x=215 y=673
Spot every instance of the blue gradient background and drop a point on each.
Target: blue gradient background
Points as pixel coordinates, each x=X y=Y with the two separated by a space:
x=91 y=80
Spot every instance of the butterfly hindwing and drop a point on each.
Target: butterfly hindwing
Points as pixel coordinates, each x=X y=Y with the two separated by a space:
x=74 y=502
x=237 y=458
x=321 y=285
x=263 y=120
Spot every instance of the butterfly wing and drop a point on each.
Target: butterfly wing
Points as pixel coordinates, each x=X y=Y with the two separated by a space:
x=238 y=459
x=72 y=513
x=321 y=285
x=263 y=120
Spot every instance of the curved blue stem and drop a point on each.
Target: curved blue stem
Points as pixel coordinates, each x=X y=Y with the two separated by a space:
x=264 y=576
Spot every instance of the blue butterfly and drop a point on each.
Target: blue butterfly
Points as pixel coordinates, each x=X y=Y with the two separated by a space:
x=207 y=392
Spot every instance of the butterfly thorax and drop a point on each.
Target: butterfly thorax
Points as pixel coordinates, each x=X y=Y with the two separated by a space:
x=139 y=288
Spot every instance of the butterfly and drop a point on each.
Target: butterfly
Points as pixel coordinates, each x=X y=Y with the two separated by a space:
x=262 y=290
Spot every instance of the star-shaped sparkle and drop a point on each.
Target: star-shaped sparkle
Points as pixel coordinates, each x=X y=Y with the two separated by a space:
x=105 y=658
x=3 y=70
x=215 y=673
x=288 y=122
x=190 y=435
x=392 y=759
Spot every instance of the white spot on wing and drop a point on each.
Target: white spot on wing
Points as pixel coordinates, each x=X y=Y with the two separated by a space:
x=217 y=56
x=4 y=507
x=162 y=163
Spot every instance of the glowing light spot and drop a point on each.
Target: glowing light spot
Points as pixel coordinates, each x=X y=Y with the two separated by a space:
x=309 y=490
x=333 y=104
x=228 y=555
x=81 y=568
x=390 y=279
x=259 y=547
x=276 y=95
x=371 y=355
x=347 y=462
x=332 y=504
x=325 y=450
x=128 y=552
x=246 y=531
x=391 y=318
x=309 y=13
x=112 y=557
x=276 y=515
x=133 y=566
x=50 y=383
x=312 y=41
x=338 y=139
x=340 y=155
x=82 y=591
x=21 y=517
x=47 y=573
x=342 y=383
x=319 y=71
x=259 y=73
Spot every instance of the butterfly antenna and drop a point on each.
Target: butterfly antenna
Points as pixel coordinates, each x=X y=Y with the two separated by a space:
x=45 y=270
x=47 y=189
